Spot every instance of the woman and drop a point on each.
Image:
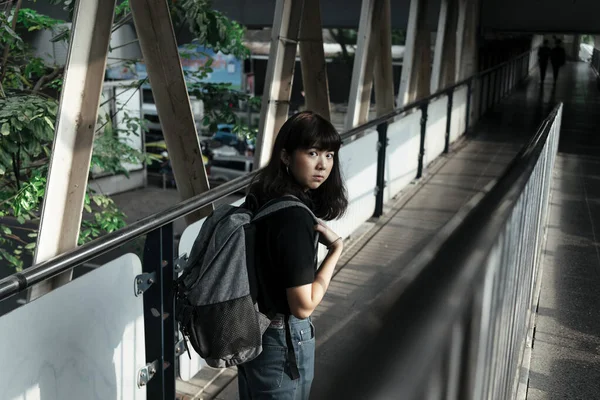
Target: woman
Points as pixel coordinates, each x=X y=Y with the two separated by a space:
x=305 y=164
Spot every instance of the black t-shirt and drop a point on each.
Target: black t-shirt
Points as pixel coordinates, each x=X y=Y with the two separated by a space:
x=285 y=253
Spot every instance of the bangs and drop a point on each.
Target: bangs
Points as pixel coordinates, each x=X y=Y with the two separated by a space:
x=313 y=131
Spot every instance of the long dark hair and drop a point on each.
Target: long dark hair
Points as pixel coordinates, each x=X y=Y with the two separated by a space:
x=302 y=131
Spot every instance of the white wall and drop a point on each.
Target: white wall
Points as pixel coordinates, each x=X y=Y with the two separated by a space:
x=77 y=342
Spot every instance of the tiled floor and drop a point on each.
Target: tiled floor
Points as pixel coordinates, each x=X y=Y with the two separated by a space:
x=565 y=361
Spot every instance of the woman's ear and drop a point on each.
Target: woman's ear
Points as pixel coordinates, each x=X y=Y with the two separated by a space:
x=285 y=157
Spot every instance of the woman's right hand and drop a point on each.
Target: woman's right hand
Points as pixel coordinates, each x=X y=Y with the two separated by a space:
x=327 y=236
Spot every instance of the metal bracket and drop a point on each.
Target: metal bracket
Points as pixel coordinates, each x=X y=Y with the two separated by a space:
x=142 y=282
x=180 y=347
x=146 y=373
x=377 y=189
x=179 y=263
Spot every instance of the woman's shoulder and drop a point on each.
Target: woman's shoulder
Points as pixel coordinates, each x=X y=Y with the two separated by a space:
x=291 y=216
x=294 y=213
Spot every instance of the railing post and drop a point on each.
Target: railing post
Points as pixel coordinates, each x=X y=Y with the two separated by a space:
x=381 y=150
x=481 y=84
x=159 y=310
x=424 y=108
x=489 y=102
x=468 y=112
x=504 y=79
x=494 y=88
x=448 y=120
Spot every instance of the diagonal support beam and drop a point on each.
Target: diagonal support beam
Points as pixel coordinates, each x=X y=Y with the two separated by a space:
x=416 y=67
x=362 y=71
x=279 y=77
x=467 y=65
x=468 y=23
x=445 y=54
x=73 y=141
x=159 y=48
x=384 y=74
x=372 y=62
x=312 y=58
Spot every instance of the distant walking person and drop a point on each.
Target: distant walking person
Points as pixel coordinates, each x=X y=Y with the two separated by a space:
x=558 y=58
x=544 y=53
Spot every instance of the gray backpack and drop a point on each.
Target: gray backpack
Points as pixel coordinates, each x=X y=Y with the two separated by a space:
x=216 y=296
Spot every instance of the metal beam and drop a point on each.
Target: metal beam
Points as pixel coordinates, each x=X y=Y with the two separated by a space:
x=362 y=71
x=384 y=74
x=73 y=141
x=279 y=77
x=312 y=58
x=468 y=23
x=159 y=48
x=416 y=70
x=445 y=54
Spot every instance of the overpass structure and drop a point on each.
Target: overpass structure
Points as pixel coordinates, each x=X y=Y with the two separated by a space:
x=472 y=212
x=496 y=15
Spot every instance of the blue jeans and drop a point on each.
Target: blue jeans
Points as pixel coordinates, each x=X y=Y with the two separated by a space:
x=268 y=375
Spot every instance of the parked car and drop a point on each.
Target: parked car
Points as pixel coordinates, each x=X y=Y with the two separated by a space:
x=225 y=168
x=226 y=137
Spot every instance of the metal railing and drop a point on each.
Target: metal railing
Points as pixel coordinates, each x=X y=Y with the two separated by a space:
x=463 y=316
x=494 y=84
x=596 y=63
x=515 y=70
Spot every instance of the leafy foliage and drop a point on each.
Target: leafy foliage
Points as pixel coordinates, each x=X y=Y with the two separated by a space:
x=28 y=115
x=33 y=21
x=211 y=27
x=28 y=112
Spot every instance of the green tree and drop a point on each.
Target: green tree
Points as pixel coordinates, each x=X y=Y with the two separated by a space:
x=29 y=89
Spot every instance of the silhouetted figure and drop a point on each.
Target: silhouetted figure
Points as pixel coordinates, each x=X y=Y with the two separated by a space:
x=558 y=58
x=543 y=57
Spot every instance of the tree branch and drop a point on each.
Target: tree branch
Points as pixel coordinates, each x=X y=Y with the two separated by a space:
x=6 y=47
x=8 y=8
x=16 y=171
x=47 y=78
x=15 y=238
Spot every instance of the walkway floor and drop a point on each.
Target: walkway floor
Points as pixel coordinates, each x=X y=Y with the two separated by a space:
x=565 y=360
x=370 y=268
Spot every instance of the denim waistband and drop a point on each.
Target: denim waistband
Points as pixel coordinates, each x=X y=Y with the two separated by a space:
x=278 y=321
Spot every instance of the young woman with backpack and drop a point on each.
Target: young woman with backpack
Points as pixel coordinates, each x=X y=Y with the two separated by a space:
x=304 y=164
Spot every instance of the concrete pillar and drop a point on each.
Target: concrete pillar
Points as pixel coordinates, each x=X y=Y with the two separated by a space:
x=444 y=71
x=416 y=69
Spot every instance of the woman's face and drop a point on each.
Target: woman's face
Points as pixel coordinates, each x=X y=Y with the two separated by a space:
x=310 y=167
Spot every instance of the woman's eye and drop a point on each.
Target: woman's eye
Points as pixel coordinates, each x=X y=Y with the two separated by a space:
x=330 y=155
x=312 y=153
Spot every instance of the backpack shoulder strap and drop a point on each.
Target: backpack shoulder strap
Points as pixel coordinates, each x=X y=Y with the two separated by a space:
x=280 y=204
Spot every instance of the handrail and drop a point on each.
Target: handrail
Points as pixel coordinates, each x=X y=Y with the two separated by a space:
x=426 y=100
x=35 y=274
x=433 y=291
